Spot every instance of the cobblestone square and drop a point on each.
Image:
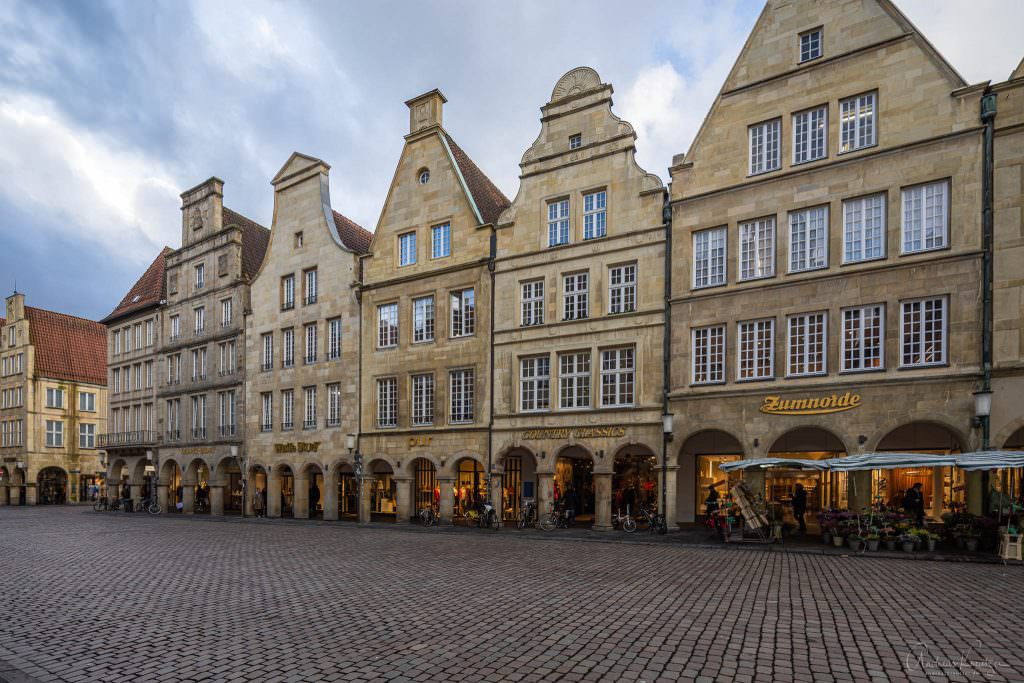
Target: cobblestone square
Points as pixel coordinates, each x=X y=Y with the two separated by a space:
x=113 y=597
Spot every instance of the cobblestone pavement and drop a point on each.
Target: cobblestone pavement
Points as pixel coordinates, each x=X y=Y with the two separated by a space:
x=111 y=597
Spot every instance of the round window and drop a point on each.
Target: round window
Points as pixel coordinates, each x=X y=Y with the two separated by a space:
x=424 y=176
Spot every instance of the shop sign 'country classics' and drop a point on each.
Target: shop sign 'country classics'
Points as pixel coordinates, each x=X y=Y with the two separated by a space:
x=575 y=432
x=836 y=403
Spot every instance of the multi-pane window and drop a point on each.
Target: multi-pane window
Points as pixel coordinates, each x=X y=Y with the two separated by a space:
x=227 y=358
x=54 y=433
x=535 y=383
x=173 y=369
x=764 y=146
x=175 y=327
x=422 y=399
x=460 y=392
x=199 y=417
x=423 y=319
x=923 y=332
x=288 y=347
x=288 y=292
x=309 y=282
x=857 y=122
x=86 y=436
x=806 y=344
x=575 y=141
x=709 y=257
x=137 y=330
x=115 y=338
x=115 y=377
x=266 y=411
x=333 y=405
x=287 y=409
x=407 y=249
x=575 y=296
x=622 y=288
x=558 y=222
x=227 y=413
x=755 y=349
x=225 y=312
x=532 y=302
x=87 y=402
x=863 y=332
x=126 y=335
x=198 y=364
x=709 y=355
x=617 y=377
x=173 y=419
x=149 y=371
x=311 y=343
x=387 y=325
x=810 y=135
x=267 y=359
x=334 y=339
x=387 y=402
x=925 y=217
x=864 y=228
x=200 y=317
x=757 y=248
x=149 y=333
x=808 y=239
x=574 y=380
x=54 y=398
x=441 y=240
x=200 y=275
x=810 y=45
x=463 y=313
x=309 y=421
x=595 y=215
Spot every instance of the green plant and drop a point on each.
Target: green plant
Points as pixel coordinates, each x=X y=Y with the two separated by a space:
x=872 y=537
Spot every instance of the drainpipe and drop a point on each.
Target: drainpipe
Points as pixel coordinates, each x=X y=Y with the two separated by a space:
x=988 y=118
x=666 y=360
x=490 y=401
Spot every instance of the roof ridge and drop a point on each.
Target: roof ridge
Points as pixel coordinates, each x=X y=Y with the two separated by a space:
x=487 y=196
x=64 y=315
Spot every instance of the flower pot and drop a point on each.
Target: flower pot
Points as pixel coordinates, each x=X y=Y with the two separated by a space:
x=837 y=541
x=907 y=546
x=971 y=544
x=931 y=545
x=872 y=546
x=890 y=545
x=854 y=545
x=826 y=537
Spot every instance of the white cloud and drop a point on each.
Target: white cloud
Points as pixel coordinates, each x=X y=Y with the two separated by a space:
x=83 y=182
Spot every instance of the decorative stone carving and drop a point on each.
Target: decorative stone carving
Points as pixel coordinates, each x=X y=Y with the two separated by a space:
x=195 y=220
x=575 y=82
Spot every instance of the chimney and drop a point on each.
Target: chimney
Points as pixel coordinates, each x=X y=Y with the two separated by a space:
x=202 y=210
x=15 y=307
x=425 y=110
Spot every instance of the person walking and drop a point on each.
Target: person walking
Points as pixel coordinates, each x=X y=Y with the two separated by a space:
x=913 y=504
x=314 y=498
x=257 y=503
x=800 y=506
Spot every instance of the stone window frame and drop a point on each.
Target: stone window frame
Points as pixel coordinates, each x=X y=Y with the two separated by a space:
x=444 y=230
x=764 y=146
x=333 y=404
x=287 y=410
x=387 y=314
x=802 y=132
x=226 y=312
x=462 y=313
x=287 y=348
x=426 y=333
x=860 y=206
x=87 y=401
x=267 y=351
x=310 y=286
x=228 y=408
x=756 y=328
x=54 y=433
x=200 y=273
x=531 y=302
x=576 y=301
x=811 y=44
x=575 y=141
x=757 y=262
x=559 y=222
x=852 y=119
x=86 y=435
x=535 y=383
x=923 y=188
x=423 y=395
x=856 y=333
x=706 y=354
x=288 y=292
x=199 y=316
x=55 y=397
x=387 y=402
x=595 y=213
x=617 y=375
x=466 y=397
x=807 y=344
x=921 y=346
x=267 y=411
x=800 y=261
x=708 y=275
x=310 y=399
x=621 y=289
x=311 y=343
x=334 y=338
x=199 y=410
x=407 y=249
x=574 y=382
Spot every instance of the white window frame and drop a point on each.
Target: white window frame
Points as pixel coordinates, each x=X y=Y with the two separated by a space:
x=311 y=334
x=531 y=302
x=441 y=240
x=618 y=376
x=558 y=222
x=574 y=372
x=576 y=296
x=764 y=141
x=287 y=410
x=810 y=135
x=575 y=141
x=55 y=397
x=268 y=351
x=423 y=399
x=707 y=346
x=334 y=339
x=55 y=433
x=461 y=393
x=387 y=402
x=288 y=292
x=914 y=210
x=225 y=312
x=86 y=435
x=854 y=345
x=267 y=411
x=407 y=249
x=199 y=312
x=808 y=238
x=807 y=347
x=622 y=288
x=858 y=122
x=535 y=384
x=462 y=313
x=424 y=319
x=200 y=271
x=149 y=332
x=86 y=402
x=864 y=232
x=709 y=262
x=748 y=353
x=333 y=404
x=905 y=309
x=757 y=249
x=814 y=44
x=288 y=347
x=309 y=407
x=309 y=278
x=387 y=326
x=595 y=214
x=175 y=327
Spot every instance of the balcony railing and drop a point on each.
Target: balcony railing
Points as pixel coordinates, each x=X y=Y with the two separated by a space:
x=173 y=435
x=309 y=424
x=287 y=426
x=125 y=439
x=199 y=432
x=266 y=427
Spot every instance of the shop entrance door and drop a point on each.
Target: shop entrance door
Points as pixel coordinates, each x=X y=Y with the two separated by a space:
x=348 y=495
x=52 y=486
x=574 y=484
x=825 y=490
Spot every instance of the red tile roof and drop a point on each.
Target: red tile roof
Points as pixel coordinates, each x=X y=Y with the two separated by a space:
x=489 y=199
x=352 y=235
x=149 y=290
x=255 y=239
x=67 y=347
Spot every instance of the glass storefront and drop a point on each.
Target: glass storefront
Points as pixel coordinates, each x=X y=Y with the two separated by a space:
x=470 y=486
x=287 y=494
x=348 y=495
x=574 y=484
x=382 y=494
x=426 y=493
x=233 y=493
x=708 y=474
x=511 y=485
x=52 y=486
x=634 y=483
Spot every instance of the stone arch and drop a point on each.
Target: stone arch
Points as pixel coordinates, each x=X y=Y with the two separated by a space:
x=519 y=479
x=636 y=473
x=807 y=437
x=451 y=463
x=381 y=489
x=698 y=459
x=1011 y=437
x=573 y=483
x=875 y=441
x=928 y=435
x=196 y=468
x=915 y=435
x=52 y=486
x=825 y=489
x=115 y=472
x=426 y=487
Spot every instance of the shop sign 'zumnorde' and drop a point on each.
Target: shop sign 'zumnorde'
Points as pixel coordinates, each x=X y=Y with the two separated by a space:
x=835 y=403
x=575 y=432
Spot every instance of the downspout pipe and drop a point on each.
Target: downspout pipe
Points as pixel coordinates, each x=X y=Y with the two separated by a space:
x=666 y=350
x=988 y=118
x=490 y=401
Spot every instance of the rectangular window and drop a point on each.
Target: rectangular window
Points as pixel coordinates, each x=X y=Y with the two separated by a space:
x=757 y=248
x=535 y=384
x=267 y=411
x=575 y=296
x=334 y=339
x=115 y=378
x=149 y=333
x=423 y=319
x=200 y=275
x=288 y=348
x=756 y=350
x=126 y=336
x=333 y=405
x=617 y=377
x=200 y=317
x=149 y=373
x=808 y=239
x=267 y=360
x=558 y=222
x=422 y=400
x=863 y=334
x=54 y=398
x=115 y=337
x=137 y=331
x=199 y=417
x=287 y=292
x=864 y=228
x=87 y=402
x=622 y=289
x=810 y=45
x=441 y=240
x=806 y=345
x=857 y=122
x=387 y=326
x=574 y=380
x=461 y=392
x=54 y=433
x=198 y=364
x=309 y=282
x=309 y=420
x=225 y=312
x=532 y=303
x=173 y=417
x=227 y=413
x=575 y=141
x=923 y=332
x=594 y=215
x=311 y=343
x=387 y=402
x=86 y=436
x=810 y=135
x=709 y=355
x=925 y=217
x=709 y=257
x=175 y=327
x=463 y=313
x=407 y=249
x=764 y=146
x=287 y=410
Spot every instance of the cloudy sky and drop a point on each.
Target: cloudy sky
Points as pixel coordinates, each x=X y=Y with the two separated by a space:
x=109 y=110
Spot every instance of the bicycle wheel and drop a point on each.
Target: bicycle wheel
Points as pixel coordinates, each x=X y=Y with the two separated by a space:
x=154 y=509
x=97 y=505
x=548 y=522
x=629 y=525
x=495 y=522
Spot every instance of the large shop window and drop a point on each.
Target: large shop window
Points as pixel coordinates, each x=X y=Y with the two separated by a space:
x=709 y=355
x=756 y=349
x=923 y=332
x=925 y=217
x=709 y=257
x=535 y=384
x=617 y=377
x=470 y=486
x=808 y=239
x=807 y=343
x=427 y=494
x=863 y=332
x=574 y=380
x=709 y=474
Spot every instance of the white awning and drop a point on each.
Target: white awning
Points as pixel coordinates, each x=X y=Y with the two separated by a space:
x=989 y=460
x=889 y=461
x=782 y=463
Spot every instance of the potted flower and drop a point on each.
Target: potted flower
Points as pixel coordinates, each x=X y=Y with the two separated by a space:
x=971 y=538
x=890 y=540
x=930 y=541
x=855 y=540
x=872 y=540
x=907 y=542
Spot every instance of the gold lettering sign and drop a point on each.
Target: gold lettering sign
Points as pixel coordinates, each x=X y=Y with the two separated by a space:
x=834 y=403
x=575 y=432
x=197 y=450
x=420 y=441
x=300 y=447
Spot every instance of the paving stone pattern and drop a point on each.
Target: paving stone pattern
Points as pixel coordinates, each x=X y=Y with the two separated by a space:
x=112 y=597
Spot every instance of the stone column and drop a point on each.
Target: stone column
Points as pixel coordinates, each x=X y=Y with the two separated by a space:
x=247 y=493
x=330 y=498
x=72 y=492
x=447 y=499
x=188 y=498
x=975 y=492
x=300 y=496
x=161 y=496
x=364 y=501
x=32 y=495
x=603 y=501
x=273 y=495
x=671 y=477
x=403 y=500
x=545 y=492
x=15 y=494
x=3 y=494
x=497 y=497
x=937 y=492
x=217 y=501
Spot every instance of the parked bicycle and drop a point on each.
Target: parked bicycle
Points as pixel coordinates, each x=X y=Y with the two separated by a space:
x=556 y=519
x=624 y=521
x=655 y=521
x=429 y=518
x=147 y=504
x=527 y=515
x=105 y=504
x=483 y=516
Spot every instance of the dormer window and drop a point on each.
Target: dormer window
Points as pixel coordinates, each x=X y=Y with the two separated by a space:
x=575 y=141
x=810 y=45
